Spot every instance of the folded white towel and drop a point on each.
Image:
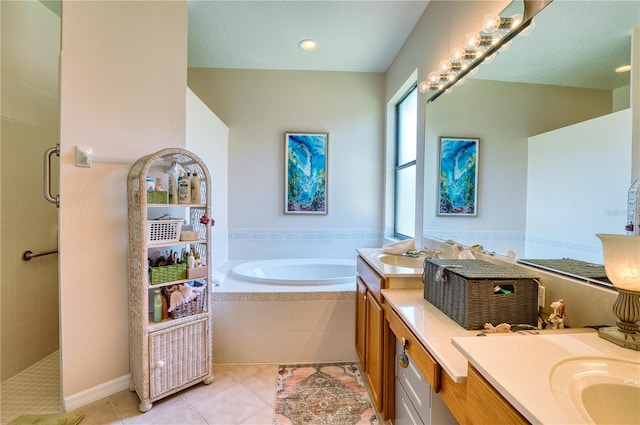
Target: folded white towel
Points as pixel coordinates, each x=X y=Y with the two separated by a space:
x=466 y=254
x=399 y=247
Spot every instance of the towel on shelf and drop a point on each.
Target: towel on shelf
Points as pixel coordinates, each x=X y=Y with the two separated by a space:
x=399 y=247
x=182 y=294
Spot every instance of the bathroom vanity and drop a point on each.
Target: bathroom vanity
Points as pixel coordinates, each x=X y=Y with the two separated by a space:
x=514 y=378
x=373 y=275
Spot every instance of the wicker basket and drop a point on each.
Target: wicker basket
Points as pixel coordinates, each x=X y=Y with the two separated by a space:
x=164 y=230
x=195 y=306
x=167 y=273
x=475 y=292
x=157 y=197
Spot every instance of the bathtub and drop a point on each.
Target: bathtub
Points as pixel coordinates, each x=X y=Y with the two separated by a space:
x=278 y=311
x=299 y=271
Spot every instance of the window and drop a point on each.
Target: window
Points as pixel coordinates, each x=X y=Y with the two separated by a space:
x=405 y=166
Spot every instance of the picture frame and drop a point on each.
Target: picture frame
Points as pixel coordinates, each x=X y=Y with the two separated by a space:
x=305 y=173
x=458 y=176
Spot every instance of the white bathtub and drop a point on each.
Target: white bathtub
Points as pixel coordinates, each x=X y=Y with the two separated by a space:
x=278 y=311
x=297 y=271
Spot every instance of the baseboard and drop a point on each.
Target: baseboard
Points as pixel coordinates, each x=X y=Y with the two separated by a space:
x=96 y=393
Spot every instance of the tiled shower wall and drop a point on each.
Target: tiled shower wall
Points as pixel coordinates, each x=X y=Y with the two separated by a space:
x=29 y=296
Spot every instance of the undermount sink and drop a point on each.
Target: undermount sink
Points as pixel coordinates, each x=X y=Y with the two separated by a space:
x=401 y=261
x=598 y=390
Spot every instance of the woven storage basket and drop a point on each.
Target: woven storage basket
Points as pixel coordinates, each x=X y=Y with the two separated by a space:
x=195 y=306
x=164 y=230
x=465 y=291
x=167 y=273
x=157 y=196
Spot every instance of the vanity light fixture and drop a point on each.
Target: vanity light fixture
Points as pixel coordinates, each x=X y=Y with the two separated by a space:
x=308 y=45
x=622 y=266
x=496 y=35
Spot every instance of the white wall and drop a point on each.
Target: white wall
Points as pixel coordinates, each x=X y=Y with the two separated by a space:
x=122 y=91
x=577 y=186
x=259 y=106
x=207 y=137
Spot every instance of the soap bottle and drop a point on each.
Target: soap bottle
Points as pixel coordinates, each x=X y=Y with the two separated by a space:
x=196 y=195
x=173 y=183
x=184 y=190
x=157 y=306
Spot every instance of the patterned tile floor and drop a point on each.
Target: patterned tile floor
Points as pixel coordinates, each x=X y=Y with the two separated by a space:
x=239 y=395
x=34 y=390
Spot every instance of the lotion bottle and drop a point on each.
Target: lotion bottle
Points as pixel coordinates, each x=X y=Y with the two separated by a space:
x=157 y=306
x=173 y=183
x=196 y=195
x=184 y=190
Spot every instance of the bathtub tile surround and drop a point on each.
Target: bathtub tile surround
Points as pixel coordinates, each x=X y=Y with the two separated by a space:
x=287 y=323
x=283 y=327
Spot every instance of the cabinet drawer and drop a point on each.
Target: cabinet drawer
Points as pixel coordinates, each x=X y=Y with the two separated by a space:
x=426 y=364
x=177 y=356
x=372 y=279
x=406 y=413
x=413 y=384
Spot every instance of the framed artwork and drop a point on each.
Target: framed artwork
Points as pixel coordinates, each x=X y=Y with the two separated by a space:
x=458 y=176
x=306 y=173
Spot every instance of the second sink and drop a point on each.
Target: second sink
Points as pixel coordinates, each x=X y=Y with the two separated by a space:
x=598 y=390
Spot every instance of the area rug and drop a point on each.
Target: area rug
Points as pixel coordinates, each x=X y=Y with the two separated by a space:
x=322 y=394
x=51 y=419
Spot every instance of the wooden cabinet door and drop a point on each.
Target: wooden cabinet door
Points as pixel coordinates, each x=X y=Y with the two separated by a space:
x=361 y=321
x=374 y=351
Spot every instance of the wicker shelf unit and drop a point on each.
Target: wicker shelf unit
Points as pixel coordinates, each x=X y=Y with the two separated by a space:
x=176 y=353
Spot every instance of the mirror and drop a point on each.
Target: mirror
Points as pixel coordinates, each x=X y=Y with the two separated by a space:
x=553 y=119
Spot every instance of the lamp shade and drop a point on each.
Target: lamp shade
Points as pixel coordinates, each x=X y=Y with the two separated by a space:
x=622 y=260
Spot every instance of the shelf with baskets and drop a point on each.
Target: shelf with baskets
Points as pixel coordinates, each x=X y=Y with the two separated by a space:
x=174 y=352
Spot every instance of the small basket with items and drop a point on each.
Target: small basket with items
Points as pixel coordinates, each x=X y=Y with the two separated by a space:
x=186 y=299
x=164 y=230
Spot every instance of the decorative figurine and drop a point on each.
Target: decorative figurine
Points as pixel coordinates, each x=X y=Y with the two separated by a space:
x=556 y=319
x=501 y=328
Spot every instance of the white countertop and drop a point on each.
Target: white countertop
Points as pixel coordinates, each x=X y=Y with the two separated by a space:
x=432 y=327
x=520 y=369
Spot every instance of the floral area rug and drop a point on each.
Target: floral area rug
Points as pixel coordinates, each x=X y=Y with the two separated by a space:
x=322 y=394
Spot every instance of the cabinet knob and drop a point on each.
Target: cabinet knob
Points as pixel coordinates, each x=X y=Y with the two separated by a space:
x=405 y=343
x=159 y=364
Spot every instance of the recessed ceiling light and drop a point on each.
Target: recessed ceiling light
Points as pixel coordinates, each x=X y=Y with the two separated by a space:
x=308 y=45
x=625 y=68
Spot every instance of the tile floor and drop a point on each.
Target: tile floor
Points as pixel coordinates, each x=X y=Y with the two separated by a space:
x=37 y=387
x=239 y=394
x=242 y=394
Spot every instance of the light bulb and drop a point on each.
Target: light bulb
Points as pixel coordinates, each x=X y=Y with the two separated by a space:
x=433 y=77
x=457 y=55
x=423 y=86
x=516 y=20
x=444 y=67
x=472 y=41
x=491 y=23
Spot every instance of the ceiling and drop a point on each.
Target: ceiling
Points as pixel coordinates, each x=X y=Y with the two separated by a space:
x=357 y=36
x=574 y=43
x=365 y=36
